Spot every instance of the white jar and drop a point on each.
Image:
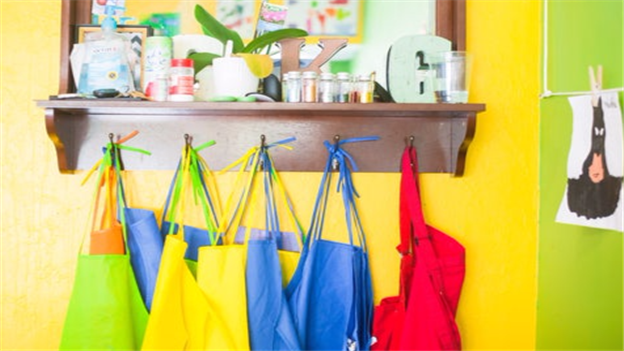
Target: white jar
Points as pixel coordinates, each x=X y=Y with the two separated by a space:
x=181 y=80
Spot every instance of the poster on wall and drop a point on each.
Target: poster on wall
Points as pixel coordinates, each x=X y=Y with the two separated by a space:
x=238 y=15
x=593 y=195
x=336 y=18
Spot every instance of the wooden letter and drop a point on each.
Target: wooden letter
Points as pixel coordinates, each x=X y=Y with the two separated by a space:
x=291 y=48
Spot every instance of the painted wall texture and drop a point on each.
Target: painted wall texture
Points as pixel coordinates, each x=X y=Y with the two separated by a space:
x=492 y=209
x=580 y=268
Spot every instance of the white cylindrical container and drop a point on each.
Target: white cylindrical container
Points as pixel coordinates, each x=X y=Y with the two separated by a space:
x=181 y=80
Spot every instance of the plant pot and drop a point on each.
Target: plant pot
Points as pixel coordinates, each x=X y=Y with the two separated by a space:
x=232 y=77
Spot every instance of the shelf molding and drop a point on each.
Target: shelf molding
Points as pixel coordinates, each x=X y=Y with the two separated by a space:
x=442 y=132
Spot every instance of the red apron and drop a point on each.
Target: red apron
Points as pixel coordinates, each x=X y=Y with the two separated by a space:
x=422 y=316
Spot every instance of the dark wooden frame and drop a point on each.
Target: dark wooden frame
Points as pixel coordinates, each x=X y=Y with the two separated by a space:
x=450 y=24
x=441 y=132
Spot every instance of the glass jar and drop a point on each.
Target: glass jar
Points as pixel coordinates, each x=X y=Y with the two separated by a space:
x=364 y=87
x=294 y=87
x=309 y=86
x=285 y=87
x=327 y=87
x=343 y=87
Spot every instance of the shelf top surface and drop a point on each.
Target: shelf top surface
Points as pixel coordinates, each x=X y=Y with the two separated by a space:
x=231 y=108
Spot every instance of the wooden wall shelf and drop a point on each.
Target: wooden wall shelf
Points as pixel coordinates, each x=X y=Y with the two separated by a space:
x=442 y=132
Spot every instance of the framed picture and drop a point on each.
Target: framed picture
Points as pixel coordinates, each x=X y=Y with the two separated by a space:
x=326 y=19
x=136 y=34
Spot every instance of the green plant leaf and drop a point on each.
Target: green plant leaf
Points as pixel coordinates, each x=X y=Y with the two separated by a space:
x=260 y=65
x=214 y=28
x=272 y=37
x=202 y=59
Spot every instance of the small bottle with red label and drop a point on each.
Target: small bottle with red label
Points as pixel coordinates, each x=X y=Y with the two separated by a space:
x=181 y=80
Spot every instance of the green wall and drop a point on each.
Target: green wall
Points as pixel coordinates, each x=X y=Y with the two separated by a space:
x=579 y=268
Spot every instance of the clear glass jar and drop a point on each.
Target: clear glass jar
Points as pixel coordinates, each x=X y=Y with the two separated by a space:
x=309 y=86
x=285 y=87
x=327 y=87
x=343 y=87
x=294 y=87
x=364 y=87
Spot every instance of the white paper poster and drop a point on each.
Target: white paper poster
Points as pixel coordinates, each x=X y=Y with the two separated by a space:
x=593 y=195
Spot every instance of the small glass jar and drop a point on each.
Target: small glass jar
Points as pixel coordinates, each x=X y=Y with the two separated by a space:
x=327 y=87
x=181 y=80
x=294 y=87
x=285 y=87
x=160 y=88
x=364 y=87
x=309 y=86
x=343 y=87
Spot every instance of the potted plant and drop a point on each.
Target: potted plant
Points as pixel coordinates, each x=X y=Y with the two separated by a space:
x=260 y=65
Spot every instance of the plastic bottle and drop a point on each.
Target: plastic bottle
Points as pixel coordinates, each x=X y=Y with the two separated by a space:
x=108 y=61
x=108 y=26
x=181 y=80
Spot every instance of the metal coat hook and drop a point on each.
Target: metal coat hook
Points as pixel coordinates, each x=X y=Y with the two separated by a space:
x=115 y=154
x=262 y=146
x=409 y=141
x=335 y=163
x=188 y=140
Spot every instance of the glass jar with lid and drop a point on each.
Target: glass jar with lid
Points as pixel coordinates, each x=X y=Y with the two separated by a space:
x=309 y=86
x=343 y=87
x=327 y=87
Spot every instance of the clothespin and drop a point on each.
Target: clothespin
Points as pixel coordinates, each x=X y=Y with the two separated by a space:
x=596 y=84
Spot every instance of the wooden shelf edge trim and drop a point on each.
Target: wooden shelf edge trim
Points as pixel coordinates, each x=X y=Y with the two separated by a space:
x=443 y=132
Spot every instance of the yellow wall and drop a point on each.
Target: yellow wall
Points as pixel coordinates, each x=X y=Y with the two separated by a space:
x=492 y=210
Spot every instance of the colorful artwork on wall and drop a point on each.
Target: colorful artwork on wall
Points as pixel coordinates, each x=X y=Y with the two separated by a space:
x=239 y=16
x=593 y=195
x=332 y=18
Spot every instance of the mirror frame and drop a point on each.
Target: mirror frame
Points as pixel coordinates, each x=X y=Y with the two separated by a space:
x=450 y=24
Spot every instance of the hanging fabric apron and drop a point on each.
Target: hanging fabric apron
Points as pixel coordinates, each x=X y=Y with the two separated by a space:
x=330 y=294
x=179 y=315
x=437 y=277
